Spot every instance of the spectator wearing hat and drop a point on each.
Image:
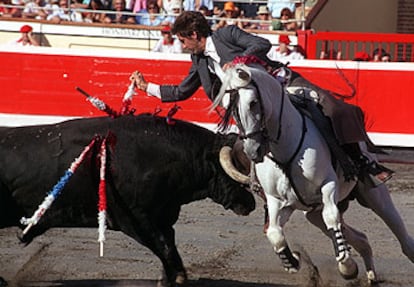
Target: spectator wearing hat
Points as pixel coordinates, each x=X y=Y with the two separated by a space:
x=263 y=15
x=168 y=43
x=283 y=53
x=173 y=11
x=230 y=12
x=26 y=38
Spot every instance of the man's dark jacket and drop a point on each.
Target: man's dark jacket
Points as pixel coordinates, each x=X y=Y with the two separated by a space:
x=230 y=42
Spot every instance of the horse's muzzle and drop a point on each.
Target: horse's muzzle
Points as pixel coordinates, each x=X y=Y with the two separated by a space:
x=255 y=150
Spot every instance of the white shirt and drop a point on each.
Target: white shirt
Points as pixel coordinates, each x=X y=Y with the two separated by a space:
x=210 y=51
x=175 y=47
x=276 y=55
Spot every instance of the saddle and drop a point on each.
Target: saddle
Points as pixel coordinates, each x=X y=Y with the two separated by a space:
x=354 y=164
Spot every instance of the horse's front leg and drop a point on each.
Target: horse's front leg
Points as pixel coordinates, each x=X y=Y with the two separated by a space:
x=356 y=239
x=278 y=216
x=331 y=217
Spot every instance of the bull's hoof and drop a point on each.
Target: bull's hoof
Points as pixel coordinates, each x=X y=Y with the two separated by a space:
x=2 y=282
x=348 y=269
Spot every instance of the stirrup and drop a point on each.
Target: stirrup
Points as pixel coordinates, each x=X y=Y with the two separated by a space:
x=379 y=171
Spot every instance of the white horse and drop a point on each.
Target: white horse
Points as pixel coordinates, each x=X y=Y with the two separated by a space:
x=294 y=168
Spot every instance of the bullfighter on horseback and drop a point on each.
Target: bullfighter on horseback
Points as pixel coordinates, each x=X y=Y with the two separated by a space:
x=341 y=124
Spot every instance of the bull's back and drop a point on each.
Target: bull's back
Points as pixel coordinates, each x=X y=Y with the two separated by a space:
x=33 y=159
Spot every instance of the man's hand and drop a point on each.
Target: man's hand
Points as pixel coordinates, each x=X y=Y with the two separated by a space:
x=138 y=79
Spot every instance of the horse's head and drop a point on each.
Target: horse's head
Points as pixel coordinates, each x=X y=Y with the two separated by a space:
x=241 y=97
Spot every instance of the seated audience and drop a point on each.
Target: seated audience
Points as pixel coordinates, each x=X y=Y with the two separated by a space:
x=9 y=12
x=34 y=10
x=151 y=16
x=121 y=15
x=276 y=7
x=231 y=12
x=175 y=10
x=380 y=55
x=264 y=16
x=168 y=43
x=283 y=53
x=94 y=17
x=62 y=13
x=285 y=22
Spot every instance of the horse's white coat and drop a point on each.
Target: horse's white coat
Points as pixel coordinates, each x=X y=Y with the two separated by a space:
x=310 y=169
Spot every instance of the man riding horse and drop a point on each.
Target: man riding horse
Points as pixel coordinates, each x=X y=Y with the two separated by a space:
x=213 y=52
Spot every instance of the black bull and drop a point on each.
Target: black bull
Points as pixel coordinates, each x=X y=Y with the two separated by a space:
x=152 y=169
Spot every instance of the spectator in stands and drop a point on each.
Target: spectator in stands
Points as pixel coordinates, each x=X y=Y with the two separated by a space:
x=362 y=56
x=276 y=6
x=195 y=5
x=62 y=13
x=175 y=8
x=380 y=55
x=8 y=12
x=34 y=10
x=330 y=54
x=121 y=15
x=386 y=57
x=286 y=21
x=152 y=16
x=139 y=5
x=168 y=43
x=283 y=53
x=26 y=38
x=230 y=12
x=264 y=16
x=95 y=17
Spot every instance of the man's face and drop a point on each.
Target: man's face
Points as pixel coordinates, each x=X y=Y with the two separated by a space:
x=194 y=45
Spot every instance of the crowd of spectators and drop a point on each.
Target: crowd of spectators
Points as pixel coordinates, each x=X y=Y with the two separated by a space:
x=275 y=15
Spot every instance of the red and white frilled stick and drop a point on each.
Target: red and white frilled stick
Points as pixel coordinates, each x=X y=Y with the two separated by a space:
x=102 y=198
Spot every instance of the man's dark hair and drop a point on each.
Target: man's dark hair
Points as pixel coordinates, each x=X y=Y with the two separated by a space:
x=189 y=22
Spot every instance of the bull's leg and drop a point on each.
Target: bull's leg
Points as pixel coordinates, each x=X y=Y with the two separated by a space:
x=380 y=201
x=137 y=225
x=175 y=258
x=278 y=217
x=331 y=218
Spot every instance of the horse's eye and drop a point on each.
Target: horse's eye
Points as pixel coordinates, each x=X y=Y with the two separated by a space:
x=253 y=104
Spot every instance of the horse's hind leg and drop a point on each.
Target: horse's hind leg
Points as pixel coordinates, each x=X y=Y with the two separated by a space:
x=331 y=218
x=380 y=201
x=278 y=217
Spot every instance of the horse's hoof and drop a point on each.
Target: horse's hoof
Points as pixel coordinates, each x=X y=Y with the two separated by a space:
x=348 y=269
x=2 y=282
x=181 y=279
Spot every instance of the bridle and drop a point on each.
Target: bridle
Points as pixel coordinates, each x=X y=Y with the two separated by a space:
x=234 y=99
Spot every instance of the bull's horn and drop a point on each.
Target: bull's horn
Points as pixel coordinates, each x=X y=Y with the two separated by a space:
x=229 y=168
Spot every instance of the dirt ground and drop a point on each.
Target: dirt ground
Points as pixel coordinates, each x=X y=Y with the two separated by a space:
x=219 y=249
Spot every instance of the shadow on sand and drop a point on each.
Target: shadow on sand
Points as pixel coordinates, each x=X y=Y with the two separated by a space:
x=144 y=283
